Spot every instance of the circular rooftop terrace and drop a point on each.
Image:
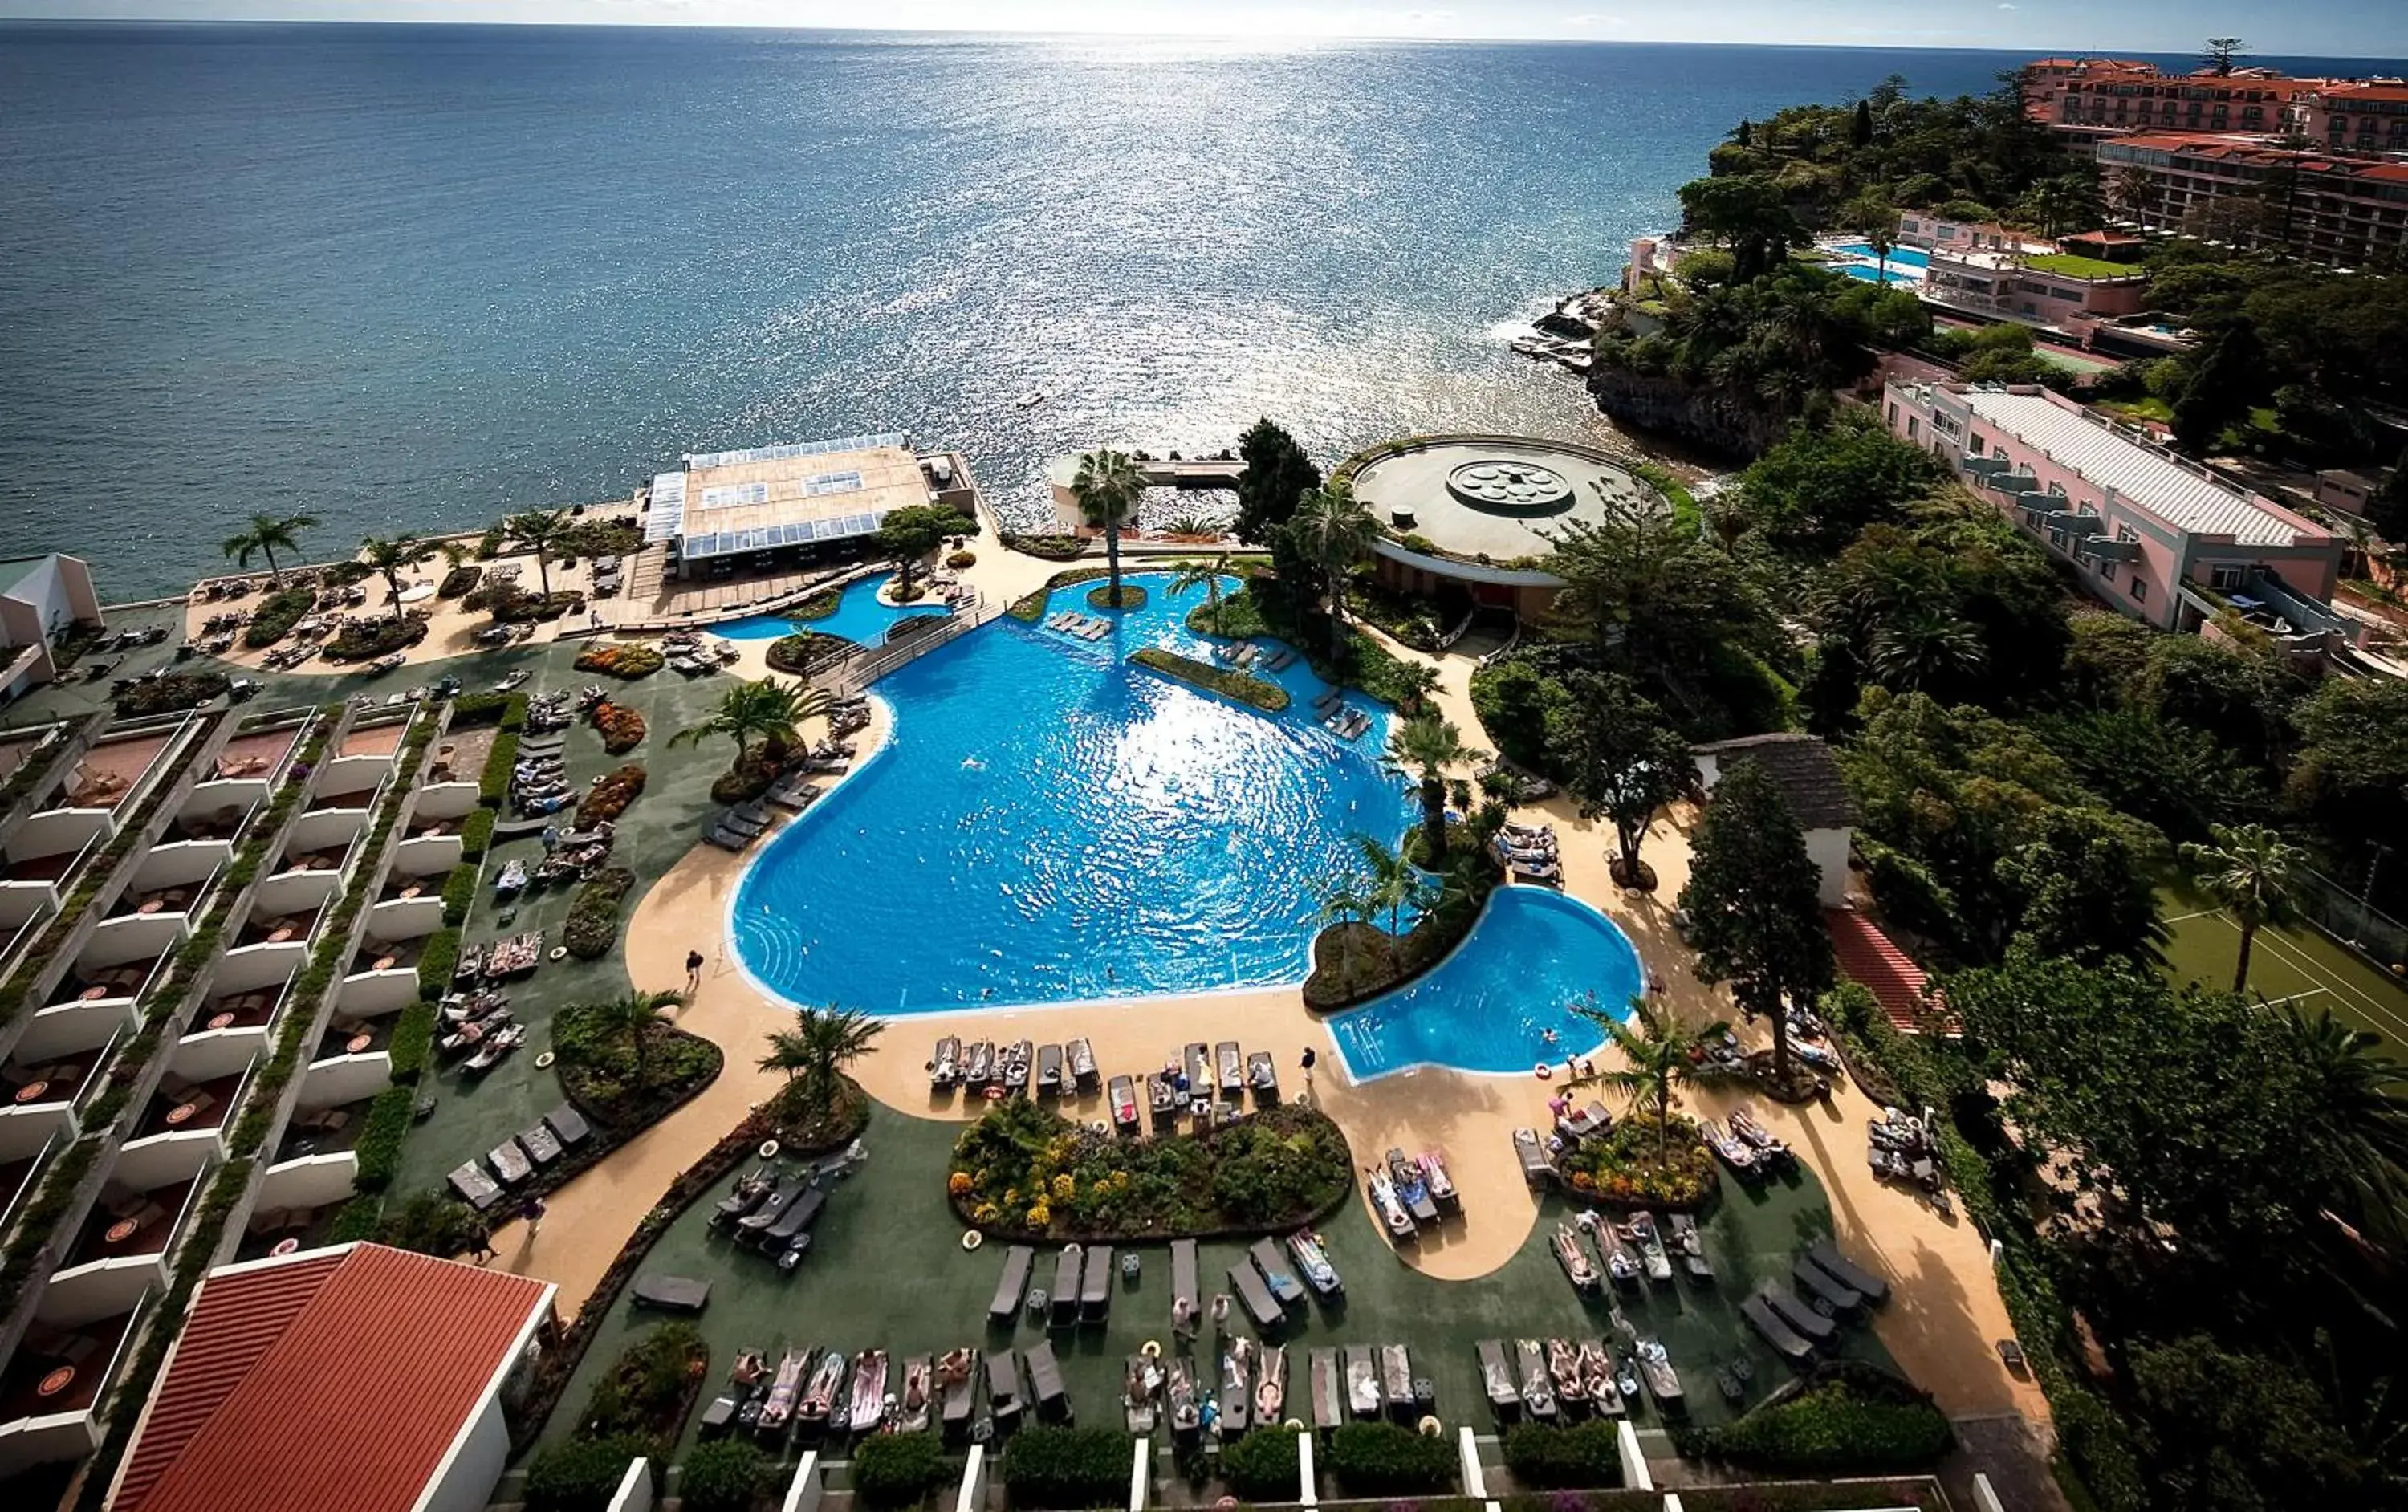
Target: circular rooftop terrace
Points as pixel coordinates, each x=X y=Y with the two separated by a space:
x=1489 y=496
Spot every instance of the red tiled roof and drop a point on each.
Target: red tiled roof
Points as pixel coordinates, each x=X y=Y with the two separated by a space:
x=2364 y=91
x=333 y=1382
x=1868 y=958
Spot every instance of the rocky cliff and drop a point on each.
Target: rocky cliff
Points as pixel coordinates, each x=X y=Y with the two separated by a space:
x=1736 y=424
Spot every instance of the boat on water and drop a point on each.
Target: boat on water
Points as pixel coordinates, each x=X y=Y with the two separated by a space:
x=1029 y=400
x=1313 y=1261
x=868 y=1409
x=1651 y=1247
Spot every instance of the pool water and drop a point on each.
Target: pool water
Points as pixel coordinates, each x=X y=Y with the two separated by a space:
x=858 y=616
x=1894 y=278
x=1490 y=1005
x=1908 y=257
x=1049 y=824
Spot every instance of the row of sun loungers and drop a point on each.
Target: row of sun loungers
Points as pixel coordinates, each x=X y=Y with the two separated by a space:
x=515 y=1159
x=1829 y=1289
x=737 y=828
x=1546 y=1380
x=1338 y=717
x=1412 y=1193
x=1084 y=626
x=1048 y=1070
x=1529 y=853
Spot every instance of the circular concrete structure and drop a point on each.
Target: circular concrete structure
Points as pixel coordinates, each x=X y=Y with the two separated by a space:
x=1491 y=496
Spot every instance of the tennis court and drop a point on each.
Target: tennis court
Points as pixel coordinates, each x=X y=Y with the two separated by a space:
x=2298 y=963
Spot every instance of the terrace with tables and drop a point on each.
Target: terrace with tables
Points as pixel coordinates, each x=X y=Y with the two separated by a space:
x=251 y=1008
x=41 y=1089
x=95 y=984
x=110 y=772
x=296 y=924
x=52 y=1384
x=127 y=1224
x=188 y=1107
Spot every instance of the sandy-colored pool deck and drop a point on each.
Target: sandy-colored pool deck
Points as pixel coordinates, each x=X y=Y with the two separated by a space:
x=1940 y=1326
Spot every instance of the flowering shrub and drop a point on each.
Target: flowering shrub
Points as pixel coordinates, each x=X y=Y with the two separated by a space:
x=1625 y=1167
x=958 y=1183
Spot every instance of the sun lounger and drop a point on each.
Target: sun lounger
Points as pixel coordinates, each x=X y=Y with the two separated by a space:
x=509 y=1163
x=1123 y=1099
x=1045 y=1382
x=1283 y=1284
x=1096 y=1284
x=477 y=1190
x=1065 y=1285
x=672 y=1293
x=1017 y=1263
x=1328 y=1386
x=1163 y=1097
x=1199 y=1068
x=788 y=1191
x=727 y=839
x=1804 y=1320
x=1002 y=1386
x=959 y=1399
x=1263 y=1077
x=1261 y=1305
x=1362 y=1380
x=540 y=1145
x=1048 y=1070
x=1496 y=1378
x=1233 y=1075
x=733 y=820
x=1082 y=1063
x=1182 y=1276
x=1816 y=1281
x=1849 y=1274
x=1396 y=1379
x=570 y=1124
x=945 y=1064
x=1783 y=1338
x=1537 y=1170
x=1538 y=1387
x=790 y=1225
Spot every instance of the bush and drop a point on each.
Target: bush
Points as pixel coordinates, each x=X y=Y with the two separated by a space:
x=1052 y=547
x=581 y=1474
x=381 y=1133
x=625 y=662
x=1379 y=1459
x=431 y=1223
x=1044 y=1466
x=436 y=963
x=413 y=1039
x=1579 y=1454
x=170 y=694
x=276 y=615
x=725 y=1476
x=621 y=728
x=898 y=1469
x=476 y=836
x=458 y=581
x=959 y=560
x=1244 y=687
x=494 y=783
x=609 y=797
x=648 y=1387
x=1621 y=1165
x=748 y=779
x=1132 y=596
x=460 y=888
x=1851 y=1419
x=1518 y=706
x=602 y=539
x=1262 y=1466
x=805 y=650
x=594 y=914
x=364 y=640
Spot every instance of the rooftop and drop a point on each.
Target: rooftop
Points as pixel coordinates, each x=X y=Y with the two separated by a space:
x=1532 y=490
x=385 y=1353
x=731 y=502
x=1803 y=768
x=2187 y=499
x=15 y=570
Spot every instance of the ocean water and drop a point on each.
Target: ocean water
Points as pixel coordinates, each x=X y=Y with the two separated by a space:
x=414 y=277
x=1049 y=824
x=411 y=278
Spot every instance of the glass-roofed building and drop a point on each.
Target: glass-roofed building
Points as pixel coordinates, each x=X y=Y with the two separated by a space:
x=727 y=510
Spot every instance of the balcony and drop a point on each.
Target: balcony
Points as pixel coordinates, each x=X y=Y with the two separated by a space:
x=255 y=757
x=292 y=927
x=277 y=1231
x=387 y=955
x=17 y=1177
x=320 y=1133
x=120 y=1253
x=110 y=773
x=47 y=1091
x=99 y=986
x=51 y=1385
x=347 y=1037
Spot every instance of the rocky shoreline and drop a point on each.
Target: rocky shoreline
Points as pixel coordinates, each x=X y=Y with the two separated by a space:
x=1699 y=415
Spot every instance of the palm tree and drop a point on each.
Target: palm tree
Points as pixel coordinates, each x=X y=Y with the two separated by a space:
x=1924 y=648
x=1345 y=901
x=1107 y=487
x=1728 y=520
x=390 y=558
x=2360 y=1110
x=1668 y=1055
x=1197 y=574
x=1333 y=531
x=817 y=1049
x=768 y=711
x=265 y=535
x=2247 y=871
x=631 y=1016
x=1415 y=684
x=540 y=530
x=1394 y=883
x=1422 y=748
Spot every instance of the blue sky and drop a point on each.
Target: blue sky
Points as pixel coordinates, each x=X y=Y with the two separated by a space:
x=2350 y=28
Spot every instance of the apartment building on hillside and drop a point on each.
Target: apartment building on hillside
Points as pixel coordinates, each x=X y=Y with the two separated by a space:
x=2156 y=536
x=2084 y=101
x=2359 y=118
x=2342 y=211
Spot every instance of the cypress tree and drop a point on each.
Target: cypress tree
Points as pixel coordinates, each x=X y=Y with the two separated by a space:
x=1860 y=131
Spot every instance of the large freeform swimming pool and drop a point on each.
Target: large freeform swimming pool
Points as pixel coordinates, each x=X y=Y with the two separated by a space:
x=1491 y=1004
x=859 y=616
x=1049 y=824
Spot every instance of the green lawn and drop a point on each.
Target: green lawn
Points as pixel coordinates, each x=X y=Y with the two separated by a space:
x=886 y=1270
x=2298 y=963
x=2074 y=266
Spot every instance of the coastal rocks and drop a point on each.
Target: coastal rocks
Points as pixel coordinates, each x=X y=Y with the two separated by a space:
x=1577 y=318
x=1703 y=415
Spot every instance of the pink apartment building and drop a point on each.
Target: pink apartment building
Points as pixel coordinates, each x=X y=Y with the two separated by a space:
x=2371 y=117
x=2154 y=535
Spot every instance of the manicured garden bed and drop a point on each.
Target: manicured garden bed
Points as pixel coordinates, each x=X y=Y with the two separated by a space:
x=1354 y=962
x=797 y=654
x=1024 y=1172
x=621 y=728
x=1051 y=547
x=600 y=1073
x=1132 y=596
x=818 y=606
x=609 y=798
x=1043 y=1466
x=592 y=924
x=276 y=615
x=1624 y=1167
x=1847 y=1419
x=176 y=691
x=1244 y=687
x=364 y=641
x=625 y=662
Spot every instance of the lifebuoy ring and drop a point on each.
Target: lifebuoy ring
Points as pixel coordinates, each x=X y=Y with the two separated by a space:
x=1151 y=1348
x=994 y=1094
x=560 y=952
x=1294 y=1425
x=1431 y=1427
x=769 y=1150
x=544 y=1061
x=1540 y=1071
x=973 y=1239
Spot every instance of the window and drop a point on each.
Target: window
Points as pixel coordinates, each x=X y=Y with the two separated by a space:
x=1892 y=416
x=1910 y=427
x=2227 y=578
x=2139 y=591
x=2107 y=571
x=2056 y=490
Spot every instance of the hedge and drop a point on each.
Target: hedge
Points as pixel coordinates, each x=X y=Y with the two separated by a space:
x=725 y=1476
x=460 y=888
x=476 y=835
x=381 y=1136
x=1378 y=1459
x=592 y=924
x=581 y=1474
x=494 y=784
x=1132 y=596
x=437 y=960
x=1580 y=1454
x=413 y=1039
x=897 y=1469
x=1851 y=1419
x=1262 y=1466
x=1044 y=1466
x=1229 y=683
x=276 y=615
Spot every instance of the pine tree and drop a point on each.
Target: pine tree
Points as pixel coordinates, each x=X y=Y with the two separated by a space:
x=1746 y=133
x=1277 y=475
x=1860 y=131
x=1753 y=899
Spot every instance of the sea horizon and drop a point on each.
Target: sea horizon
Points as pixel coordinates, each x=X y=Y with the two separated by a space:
x=412 y=276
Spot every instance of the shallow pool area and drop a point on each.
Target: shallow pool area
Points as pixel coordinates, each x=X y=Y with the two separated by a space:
x=1900 y=257
x=859 y=616
x=1490 y=1006
x=1049 y=824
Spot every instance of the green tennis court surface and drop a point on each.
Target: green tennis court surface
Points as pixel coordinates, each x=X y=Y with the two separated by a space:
x=2298 y=963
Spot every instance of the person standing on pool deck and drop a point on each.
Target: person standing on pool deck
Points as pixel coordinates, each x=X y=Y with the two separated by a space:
x=692 y=972
x=532 y=1210
x=1309 y=1059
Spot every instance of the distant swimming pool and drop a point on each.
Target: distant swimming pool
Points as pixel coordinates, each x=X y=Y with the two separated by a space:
x=858 y=616
x=1049 y=824
x=1489 y=1005
x=1909 y=257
